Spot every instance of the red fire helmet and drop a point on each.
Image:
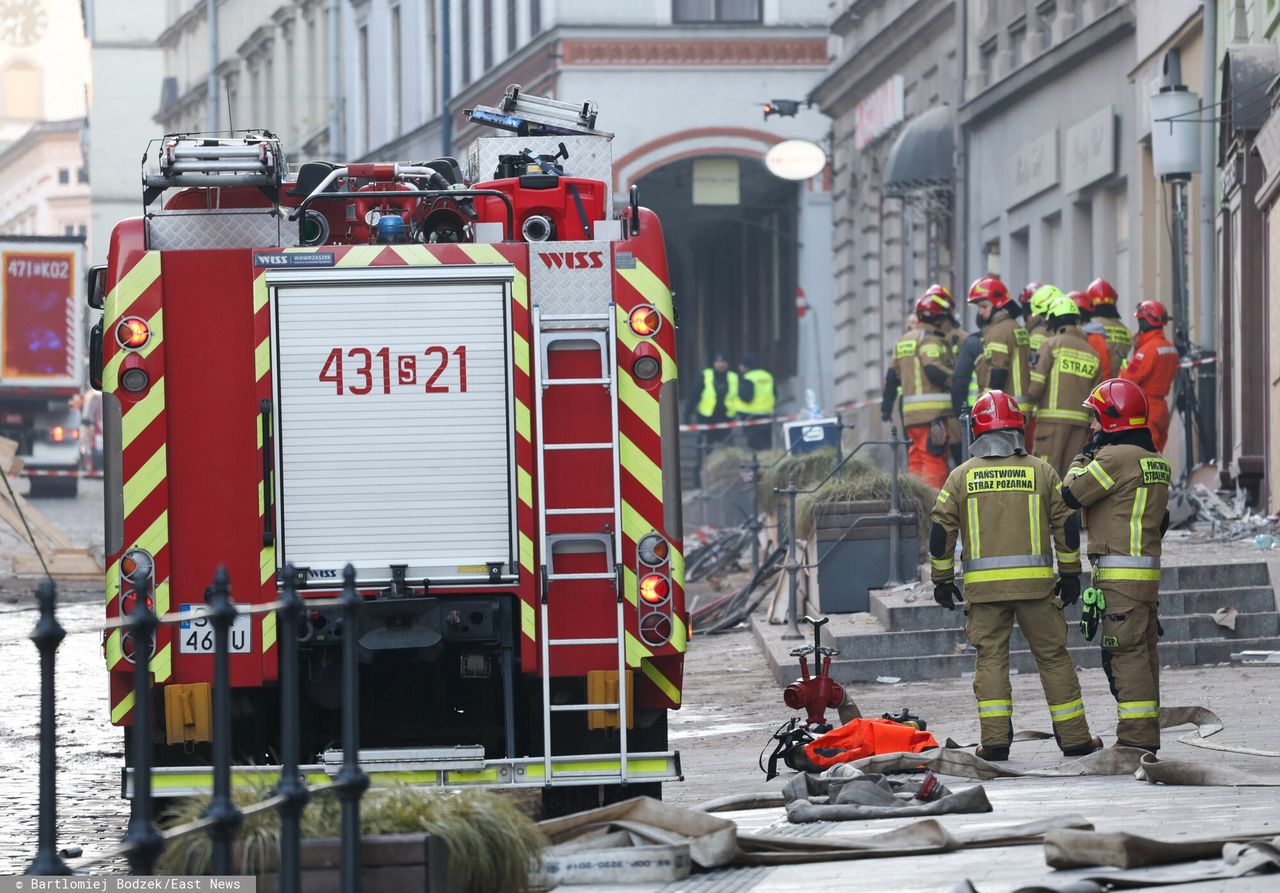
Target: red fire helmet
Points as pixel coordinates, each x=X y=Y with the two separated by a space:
x=1119 y=405
x=935 y=302
x=989 y=288
x=1083 y=301
x=1101 y=292
x=997 y=411
x=1153 y=312
x=1031 y=289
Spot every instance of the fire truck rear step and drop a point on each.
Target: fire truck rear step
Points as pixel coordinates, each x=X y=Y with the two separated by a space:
x=524 y=772
x=597 y=329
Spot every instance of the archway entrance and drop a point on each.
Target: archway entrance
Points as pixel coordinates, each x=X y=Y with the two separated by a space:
x=733 y=266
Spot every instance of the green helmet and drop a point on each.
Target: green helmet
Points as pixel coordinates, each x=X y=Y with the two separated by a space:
x=1061 y=307
x=1043 y=297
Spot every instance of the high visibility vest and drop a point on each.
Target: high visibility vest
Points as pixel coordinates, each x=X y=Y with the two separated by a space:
x=707 y=402
x=762 y=402
x=922 y=400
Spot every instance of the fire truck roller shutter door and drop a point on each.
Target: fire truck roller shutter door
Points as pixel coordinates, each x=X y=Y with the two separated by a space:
x=396 y=421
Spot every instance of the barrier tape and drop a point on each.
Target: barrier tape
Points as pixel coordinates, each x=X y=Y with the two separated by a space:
x=1187 y=364
x=769 y=420
x=56 y=473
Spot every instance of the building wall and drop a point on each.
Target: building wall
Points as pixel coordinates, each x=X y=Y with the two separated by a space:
x=127 y=70
x=44 y=67
x=877 y=273
x=44 y=187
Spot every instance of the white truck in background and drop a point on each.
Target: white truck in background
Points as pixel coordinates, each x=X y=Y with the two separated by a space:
x=42 y=357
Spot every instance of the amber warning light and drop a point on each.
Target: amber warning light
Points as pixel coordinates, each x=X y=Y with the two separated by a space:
x=644 y=320
x=133 y=332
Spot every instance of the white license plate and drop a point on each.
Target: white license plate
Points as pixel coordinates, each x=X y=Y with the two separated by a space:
x=196 y=636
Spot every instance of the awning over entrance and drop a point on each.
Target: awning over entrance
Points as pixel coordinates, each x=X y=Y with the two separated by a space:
x=1247 y=72
x=923 y=156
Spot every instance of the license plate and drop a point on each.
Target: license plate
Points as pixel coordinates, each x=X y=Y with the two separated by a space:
x=196 y=636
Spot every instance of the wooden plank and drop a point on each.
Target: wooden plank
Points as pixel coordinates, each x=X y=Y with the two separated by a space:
x=8 y=455
x=63 y=565
x=46 y=532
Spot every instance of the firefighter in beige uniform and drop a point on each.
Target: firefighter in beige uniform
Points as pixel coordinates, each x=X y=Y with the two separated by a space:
x=1066 y=370
x=1122 y=483
x=1008 y=512
x=1006 y=352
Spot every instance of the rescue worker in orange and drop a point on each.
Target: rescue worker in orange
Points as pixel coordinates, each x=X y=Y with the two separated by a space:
x=1093 y=330
x=1006 y=353
x=1107 y=315
x=1153 y=367
x=1121 y=483
x=1066 y=370
x=921 y=370
x=1008 y=511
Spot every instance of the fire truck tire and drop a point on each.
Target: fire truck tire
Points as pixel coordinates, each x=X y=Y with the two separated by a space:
x=54 y=488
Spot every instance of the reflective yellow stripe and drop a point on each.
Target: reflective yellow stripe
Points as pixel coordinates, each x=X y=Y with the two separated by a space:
x=1037 y=377
x=679 y=635
x=119 y=711
x=162 y=664
x=487 y=254
x=943 y=496
x=267 y=564
x=359 y=255
x=1069 y=710
x=154 y=537
x=909 y=405
x=641 y=467
x=1135 y=521
x=1013 y=573
x=528 y=621
x=633 y=523
x=1064 y=415
x=1069 y=557
x=415 y=255
x=1137 y=709
x=997 y=347
x=1100 y=475
x=526 y=553
x=162 y=597
x=144 y=480
x=262 y=359
x=1033 y=514
x=995 y=708
x=677 y=565
x=973 y=544
x=664 y=684
x=268 y=631
x=142 y=413
x=115 y=653
x=630 y=583
x=942 y=564
x=1104 y=574
x=259 y=291
x=524 y=485
x=524 y=426
x=131 y=285
x=637 y=651
x=522 y=352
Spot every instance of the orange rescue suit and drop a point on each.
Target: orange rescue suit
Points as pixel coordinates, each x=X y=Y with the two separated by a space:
x=1153 y=367
x=860 y=738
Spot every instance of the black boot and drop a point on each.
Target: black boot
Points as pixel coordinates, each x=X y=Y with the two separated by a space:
x=992 y=753
x=1083 y=750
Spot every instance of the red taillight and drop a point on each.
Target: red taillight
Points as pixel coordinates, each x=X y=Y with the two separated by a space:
x=654 y=589
x=133 y=332
x=58 y=433
x=129 y=601
x=644 y=320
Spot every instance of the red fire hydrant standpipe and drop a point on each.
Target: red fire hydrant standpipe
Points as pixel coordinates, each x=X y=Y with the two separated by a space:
x=815 y=694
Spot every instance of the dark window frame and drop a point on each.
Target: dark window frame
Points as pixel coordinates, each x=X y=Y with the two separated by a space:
x=464 y=30
x=717 y=16
x=513 y=26
x=486 y=24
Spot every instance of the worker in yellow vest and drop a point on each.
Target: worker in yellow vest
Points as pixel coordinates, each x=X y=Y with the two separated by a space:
x=755 y=400
x=717 y=401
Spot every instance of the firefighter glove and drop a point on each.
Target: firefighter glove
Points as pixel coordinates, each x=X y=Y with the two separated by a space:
x=1068 y=589
x=1094 y=604
x=947 y=594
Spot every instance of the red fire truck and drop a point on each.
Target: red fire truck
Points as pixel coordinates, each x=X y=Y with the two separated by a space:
x=464 y=385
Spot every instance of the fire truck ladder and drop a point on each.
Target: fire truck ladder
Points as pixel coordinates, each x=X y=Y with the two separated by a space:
x=599 y=329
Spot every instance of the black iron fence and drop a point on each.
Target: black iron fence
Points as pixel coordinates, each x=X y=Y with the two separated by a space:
x=144 y=841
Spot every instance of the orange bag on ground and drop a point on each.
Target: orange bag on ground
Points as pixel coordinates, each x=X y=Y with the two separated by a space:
x=860 y=738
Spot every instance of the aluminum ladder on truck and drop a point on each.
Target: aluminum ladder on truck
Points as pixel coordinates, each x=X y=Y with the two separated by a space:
x=599 y=329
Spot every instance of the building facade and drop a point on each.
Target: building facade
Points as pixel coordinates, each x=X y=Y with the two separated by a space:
x=127 y=70
x=681 y=84
x=44 y=184
x=891 y=95
x=273 y=70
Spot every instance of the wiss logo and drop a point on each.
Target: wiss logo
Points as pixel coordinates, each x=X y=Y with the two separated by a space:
x=322 y=573
x=573 y=260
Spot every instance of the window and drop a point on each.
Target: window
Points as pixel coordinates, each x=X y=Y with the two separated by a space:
x=716 y=11
x=1045 y=14
x=513 y=28
x=82 y=175
x=464 y=36
x=362 y=67
x=987 y=61
x=991 y=252
x=1018 y=44
x=488 y=33
x=535 y=18
x=68 y=230
x=81 y=230
x=21 y=88
x=64 y=176
x=397 y=73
